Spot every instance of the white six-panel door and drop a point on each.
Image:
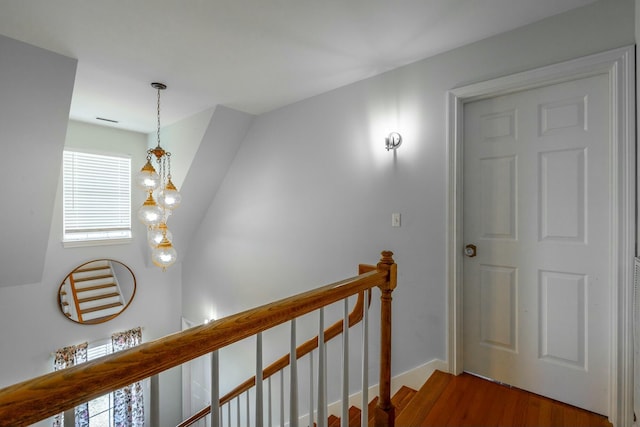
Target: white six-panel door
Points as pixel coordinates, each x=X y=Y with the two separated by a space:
x=537 y=197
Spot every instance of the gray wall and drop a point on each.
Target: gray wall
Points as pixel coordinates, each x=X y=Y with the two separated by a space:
x=311 y=191
x=35 y=94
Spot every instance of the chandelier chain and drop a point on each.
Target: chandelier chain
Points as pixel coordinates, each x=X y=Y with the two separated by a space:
x=168 y=166
x=158 y=117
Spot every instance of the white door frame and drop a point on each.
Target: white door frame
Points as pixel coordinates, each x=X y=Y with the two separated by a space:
x=618 y=65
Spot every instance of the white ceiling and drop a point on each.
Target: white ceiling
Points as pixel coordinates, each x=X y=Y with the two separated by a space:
x=250 y=55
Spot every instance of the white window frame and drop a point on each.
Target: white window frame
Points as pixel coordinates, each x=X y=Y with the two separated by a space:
x=79 y=230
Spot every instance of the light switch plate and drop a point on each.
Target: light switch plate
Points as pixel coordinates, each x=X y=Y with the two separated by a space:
x=395 y=219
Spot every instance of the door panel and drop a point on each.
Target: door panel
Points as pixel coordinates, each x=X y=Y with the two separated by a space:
x=562 y=195
x=537 y=200
x=563 y=318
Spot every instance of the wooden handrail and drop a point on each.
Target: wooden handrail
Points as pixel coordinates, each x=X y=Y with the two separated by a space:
x=196 y=417
x=39 y=398
x=74 y=295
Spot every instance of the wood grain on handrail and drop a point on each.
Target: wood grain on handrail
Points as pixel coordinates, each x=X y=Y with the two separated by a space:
x=36 y=399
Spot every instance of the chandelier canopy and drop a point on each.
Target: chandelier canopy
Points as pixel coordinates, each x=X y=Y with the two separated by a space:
x=155 y=211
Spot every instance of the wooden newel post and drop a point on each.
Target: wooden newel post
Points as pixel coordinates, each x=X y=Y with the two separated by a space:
x=385 y=411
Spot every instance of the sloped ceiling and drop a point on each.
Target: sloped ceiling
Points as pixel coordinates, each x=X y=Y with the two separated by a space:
x=35 y=94
x=220 y=143
x=249 y=55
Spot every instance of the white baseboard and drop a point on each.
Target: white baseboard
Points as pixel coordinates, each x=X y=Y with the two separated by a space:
x=413 y=378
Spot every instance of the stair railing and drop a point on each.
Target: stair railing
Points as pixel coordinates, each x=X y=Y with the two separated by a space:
x=355 y=316
x=33 y=400
x=74 y=296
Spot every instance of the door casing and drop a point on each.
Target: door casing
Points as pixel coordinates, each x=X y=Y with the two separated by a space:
x=618 y=65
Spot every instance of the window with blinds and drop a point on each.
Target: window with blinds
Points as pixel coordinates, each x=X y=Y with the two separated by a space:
x=96 y=197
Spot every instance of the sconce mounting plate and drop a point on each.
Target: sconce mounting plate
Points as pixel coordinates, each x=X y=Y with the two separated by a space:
x=393 y=141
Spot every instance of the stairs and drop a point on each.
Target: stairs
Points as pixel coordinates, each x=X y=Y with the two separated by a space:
x=96 y=291
x=400 y=401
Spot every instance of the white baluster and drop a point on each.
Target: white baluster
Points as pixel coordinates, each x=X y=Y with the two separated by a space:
x=154 y=404
x=238 y=407
x=229 y=414
x=269 y=409
x=293 y=377
x=282 y=398
x=215 y=390
x=311 y=389
x=69 y=418
x=248 y=409
x=322 y=375
x=259 y=393
x=344 y=421
x=365 y=359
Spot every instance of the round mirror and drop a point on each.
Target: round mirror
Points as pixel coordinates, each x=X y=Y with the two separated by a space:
x=97 y=291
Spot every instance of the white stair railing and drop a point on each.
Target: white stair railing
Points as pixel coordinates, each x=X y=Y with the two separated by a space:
x=344 y=420
x=259 y=383
x=322 y=374
x=215 y=389
x=293 y=376
x=290 y=394
x=365 y=360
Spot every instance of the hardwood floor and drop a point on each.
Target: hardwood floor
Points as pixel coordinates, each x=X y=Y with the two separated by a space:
x=466 y=400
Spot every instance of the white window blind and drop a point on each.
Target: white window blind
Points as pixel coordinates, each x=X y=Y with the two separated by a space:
x=98 y=350
x=96 y=197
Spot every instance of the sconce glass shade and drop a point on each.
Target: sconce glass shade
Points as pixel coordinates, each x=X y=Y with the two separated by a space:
x=156 y=234
x=169 y=196
x=393 y=141
x=164 y=255
x=150 y=213
x=147 y=179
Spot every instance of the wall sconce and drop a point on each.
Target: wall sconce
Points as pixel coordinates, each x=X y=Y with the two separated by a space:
x=393 y=141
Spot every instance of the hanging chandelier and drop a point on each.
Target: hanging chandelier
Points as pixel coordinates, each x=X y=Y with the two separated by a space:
x=155 y=211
